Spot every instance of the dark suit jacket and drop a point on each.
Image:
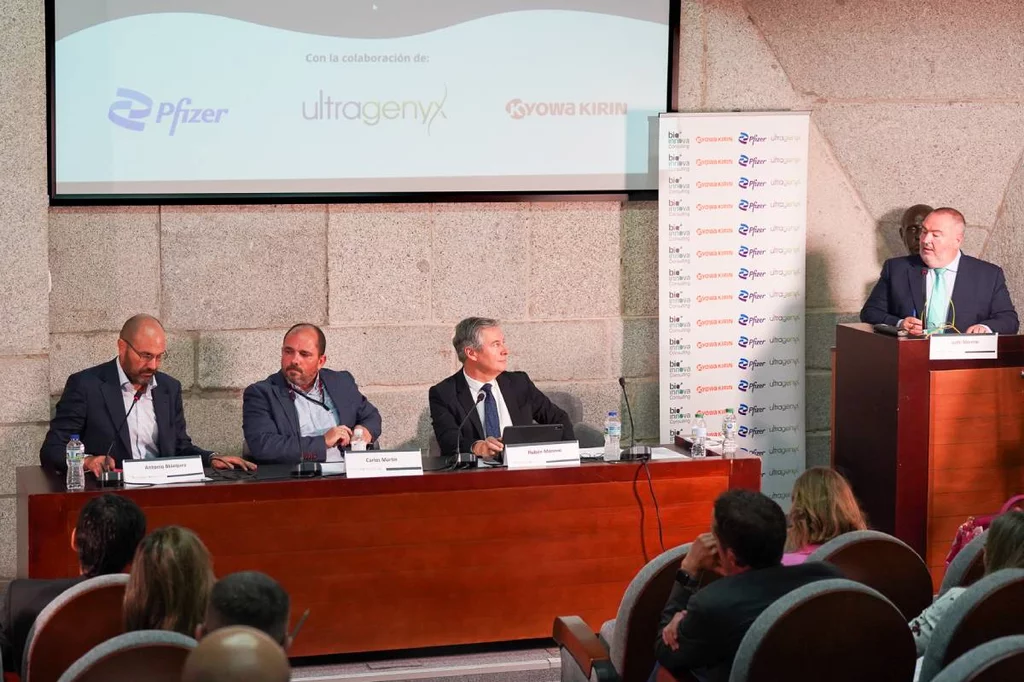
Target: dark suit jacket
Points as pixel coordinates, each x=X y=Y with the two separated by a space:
x=92 y=407
x=450 y=402
x=717 y=616
x=271 y=422
x=979 y=296
x=23 y=601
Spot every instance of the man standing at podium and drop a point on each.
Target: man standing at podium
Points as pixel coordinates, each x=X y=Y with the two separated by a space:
x=942 y=289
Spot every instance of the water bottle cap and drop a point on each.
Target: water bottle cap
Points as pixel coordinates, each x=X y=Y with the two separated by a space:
x=74 y=436
x=728 y=410
x=613 y=413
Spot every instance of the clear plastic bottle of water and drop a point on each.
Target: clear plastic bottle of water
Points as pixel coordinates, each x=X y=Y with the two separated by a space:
x=358 y=442
x=612 y=436
x=729 y=433
x=700 y=436
x=76 y=464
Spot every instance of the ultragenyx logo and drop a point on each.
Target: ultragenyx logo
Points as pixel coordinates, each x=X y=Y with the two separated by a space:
x=372 y=112
x=133 y=108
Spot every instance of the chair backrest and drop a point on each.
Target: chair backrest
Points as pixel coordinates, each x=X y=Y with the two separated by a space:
x=988 y=610
x=1000 y=660
x=884 y=563
x=836 y=630
x=967 y=567
x=58 y=638
x=631 y=648
x=150 y=655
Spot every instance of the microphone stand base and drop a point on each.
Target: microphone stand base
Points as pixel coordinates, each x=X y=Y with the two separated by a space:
x=111 y=479
x=635 y=453
x=307 y=470
x=464 y=460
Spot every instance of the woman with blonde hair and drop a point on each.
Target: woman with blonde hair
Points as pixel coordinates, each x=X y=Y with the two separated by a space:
x=823 y=508
x=169 y=587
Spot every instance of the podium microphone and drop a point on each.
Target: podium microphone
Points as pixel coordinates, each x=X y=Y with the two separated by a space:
x=634 y=452
x=116 y=478
x=464 y=460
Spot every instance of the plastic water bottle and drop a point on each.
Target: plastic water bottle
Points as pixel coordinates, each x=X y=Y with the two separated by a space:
x=76 y=464
x=729 y=433
x=612 y=436
x=358 y=442
x=700 y=437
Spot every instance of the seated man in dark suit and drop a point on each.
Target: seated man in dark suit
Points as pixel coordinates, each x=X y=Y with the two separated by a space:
x=702 y=627
x=96 y=400
x=910 y=227
x=248 y=598
x=305 y=411
x=941 y=287
x=510 y=398
x=109 y=529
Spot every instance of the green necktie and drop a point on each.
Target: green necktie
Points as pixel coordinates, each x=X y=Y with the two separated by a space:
x=938 y=303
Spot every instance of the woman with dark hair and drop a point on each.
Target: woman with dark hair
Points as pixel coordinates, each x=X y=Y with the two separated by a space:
x=1004 y=548
x=170 y=582
x=823 y=508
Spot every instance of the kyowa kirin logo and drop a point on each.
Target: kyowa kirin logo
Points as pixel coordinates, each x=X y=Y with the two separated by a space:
x=518 y=108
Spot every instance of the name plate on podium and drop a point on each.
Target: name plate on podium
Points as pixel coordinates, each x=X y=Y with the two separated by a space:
x=162 y=470
x=963 y=347
x=563 y=453
x=378 y=463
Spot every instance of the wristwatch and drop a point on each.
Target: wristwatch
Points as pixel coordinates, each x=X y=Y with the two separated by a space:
x=686 y=580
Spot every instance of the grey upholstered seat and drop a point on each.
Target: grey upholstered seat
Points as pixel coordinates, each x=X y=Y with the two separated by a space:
x=629 y=638
x=996 y=661
x=57 y=637
x=988 y=610
x=967 y=566
x=150 y=655
x=836 y=630
x=884 y=563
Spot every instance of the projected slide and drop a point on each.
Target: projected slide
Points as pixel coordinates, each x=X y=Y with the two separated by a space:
x=170 y=97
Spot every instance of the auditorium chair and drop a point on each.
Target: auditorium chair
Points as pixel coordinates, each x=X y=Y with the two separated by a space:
x=141 y=656
x=1001 y=660
x=77 y=620
x=967 y=567
x=884 y=563
x=836 y=630
x=989 y=609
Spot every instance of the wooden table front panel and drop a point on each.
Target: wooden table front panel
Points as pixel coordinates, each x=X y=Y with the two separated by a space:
x=976 y=459
x=435 y=560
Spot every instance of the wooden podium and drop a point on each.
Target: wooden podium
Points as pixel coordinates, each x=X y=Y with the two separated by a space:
x=926 y=443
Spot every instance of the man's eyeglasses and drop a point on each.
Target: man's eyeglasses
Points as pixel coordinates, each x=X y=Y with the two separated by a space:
x=146 y=357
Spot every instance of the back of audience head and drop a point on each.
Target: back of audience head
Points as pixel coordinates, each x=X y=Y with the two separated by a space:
x=823 y=508
x=1004 y=546
x=237 y=654
x=751 y=531
x=107 y=534
x=248 y=598
x=169 y=584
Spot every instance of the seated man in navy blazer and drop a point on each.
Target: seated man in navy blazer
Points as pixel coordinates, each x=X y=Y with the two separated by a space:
x=305 y=411
x=509 y=398
x=941 y=288
x=96 y=400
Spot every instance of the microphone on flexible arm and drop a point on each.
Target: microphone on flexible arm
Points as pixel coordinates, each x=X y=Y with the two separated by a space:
x=634 y=452
x=116 y=478
x=464 y=460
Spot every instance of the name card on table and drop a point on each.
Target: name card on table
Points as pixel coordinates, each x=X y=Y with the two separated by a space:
x=563 y=453
x=377 y=463
x=963 y=347
x=163 y=470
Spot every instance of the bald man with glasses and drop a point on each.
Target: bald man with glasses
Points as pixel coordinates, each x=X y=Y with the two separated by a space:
x=96 y=400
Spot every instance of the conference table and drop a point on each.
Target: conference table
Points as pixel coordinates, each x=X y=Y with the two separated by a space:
x=446 y=558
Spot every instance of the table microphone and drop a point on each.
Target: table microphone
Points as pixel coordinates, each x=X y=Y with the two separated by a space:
x=116 y=478
x=464 y=460
x=634 y=452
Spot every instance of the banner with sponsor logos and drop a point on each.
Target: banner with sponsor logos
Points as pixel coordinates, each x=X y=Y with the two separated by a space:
x=732 y=231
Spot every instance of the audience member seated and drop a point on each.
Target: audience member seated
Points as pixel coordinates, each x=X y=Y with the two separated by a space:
x=248 y=598
x=170 y=582
x=823 y=508
x=1004 y=548
x=702 y=626
x=108 y=530
x=237 y=654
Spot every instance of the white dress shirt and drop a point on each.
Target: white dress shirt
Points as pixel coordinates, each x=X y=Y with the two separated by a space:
x=504 y=418
x=142 y=429
x=314 y=420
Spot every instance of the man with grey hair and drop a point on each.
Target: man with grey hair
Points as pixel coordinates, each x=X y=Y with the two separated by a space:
x=942 y=288
x=509 y=398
